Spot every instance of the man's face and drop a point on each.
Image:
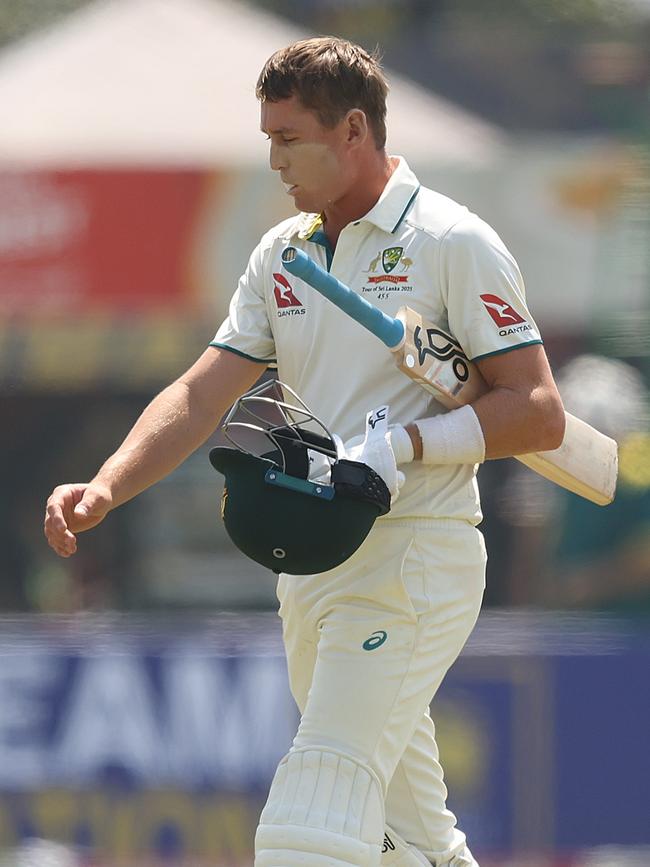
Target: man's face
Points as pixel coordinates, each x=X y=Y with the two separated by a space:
x=310 y=157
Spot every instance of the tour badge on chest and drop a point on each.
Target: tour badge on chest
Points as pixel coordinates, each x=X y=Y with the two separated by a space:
x=388 y=275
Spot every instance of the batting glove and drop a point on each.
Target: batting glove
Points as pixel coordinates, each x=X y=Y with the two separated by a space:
x=376 y=451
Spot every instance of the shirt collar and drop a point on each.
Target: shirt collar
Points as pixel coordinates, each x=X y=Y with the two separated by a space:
x=396 y=200
x=308 y=224
x=393 y=205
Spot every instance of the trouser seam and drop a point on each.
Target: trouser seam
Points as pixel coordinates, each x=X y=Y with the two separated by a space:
x=396 y=700
x=417 y=809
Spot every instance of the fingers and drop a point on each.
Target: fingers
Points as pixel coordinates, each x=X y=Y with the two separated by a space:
x=90 y=508
x=55 y=527
x=401 y=444
x=375 y=449
x=71 y=509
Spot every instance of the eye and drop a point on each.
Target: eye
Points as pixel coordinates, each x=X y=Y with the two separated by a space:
x=282 y=140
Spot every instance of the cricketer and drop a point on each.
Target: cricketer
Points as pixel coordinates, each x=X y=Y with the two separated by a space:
x=367 y=642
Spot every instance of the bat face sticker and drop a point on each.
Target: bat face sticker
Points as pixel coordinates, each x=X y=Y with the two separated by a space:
x=442 y=347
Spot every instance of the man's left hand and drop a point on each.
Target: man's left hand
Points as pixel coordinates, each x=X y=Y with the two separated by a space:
x=375 y=450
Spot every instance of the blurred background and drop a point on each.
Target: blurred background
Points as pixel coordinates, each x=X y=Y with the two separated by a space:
x=144 y=701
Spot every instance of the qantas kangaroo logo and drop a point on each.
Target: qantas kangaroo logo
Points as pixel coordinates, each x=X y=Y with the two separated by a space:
x=501 y=312
x=284 y=297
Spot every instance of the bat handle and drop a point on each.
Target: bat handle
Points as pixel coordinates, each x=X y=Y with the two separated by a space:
x=390 y=331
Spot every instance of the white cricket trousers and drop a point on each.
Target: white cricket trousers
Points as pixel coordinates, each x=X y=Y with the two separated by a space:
x=368 y=645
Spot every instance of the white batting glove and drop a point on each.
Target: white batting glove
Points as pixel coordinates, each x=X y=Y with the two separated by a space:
x=399 y=439
x=376 y=451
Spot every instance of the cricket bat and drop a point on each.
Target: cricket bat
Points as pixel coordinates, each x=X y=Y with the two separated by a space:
x=586 y=463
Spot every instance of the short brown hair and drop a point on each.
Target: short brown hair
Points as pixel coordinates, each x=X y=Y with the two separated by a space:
x=330 y=76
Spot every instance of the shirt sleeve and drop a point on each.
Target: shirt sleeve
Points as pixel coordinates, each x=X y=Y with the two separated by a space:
x=246 y=330
x=485 y=294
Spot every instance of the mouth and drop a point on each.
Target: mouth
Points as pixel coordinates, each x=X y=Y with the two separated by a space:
x=290 y=189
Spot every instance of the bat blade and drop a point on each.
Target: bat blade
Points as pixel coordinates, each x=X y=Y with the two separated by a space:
x=586 y=462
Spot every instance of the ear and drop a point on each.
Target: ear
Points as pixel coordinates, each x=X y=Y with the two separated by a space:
x=356 y=127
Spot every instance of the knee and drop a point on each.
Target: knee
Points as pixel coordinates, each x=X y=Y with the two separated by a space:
x=325 y=809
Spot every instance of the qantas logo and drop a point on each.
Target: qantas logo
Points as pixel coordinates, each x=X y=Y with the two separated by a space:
x=284 y=297
x=502 y=314
x=286 y=301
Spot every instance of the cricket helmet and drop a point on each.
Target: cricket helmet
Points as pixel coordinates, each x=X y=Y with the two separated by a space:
x=290 y=502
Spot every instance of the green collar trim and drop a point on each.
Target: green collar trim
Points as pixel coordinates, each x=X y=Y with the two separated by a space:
x=408 y=207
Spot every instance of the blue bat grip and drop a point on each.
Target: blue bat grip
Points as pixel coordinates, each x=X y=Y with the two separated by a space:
x=387 y=329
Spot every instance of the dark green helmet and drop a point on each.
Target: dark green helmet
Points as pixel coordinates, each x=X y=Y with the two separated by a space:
x=297 y=508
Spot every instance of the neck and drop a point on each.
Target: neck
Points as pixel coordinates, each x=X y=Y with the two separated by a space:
x=362 y=196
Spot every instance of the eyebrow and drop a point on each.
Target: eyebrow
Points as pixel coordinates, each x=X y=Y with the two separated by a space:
x=278 y=131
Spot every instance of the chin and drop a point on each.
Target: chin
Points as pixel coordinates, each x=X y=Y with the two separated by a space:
x=308 y=204
x=305 y=205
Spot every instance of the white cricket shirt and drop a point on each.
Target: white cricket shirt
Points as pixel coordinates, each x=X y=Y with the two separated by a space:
x=415 y=247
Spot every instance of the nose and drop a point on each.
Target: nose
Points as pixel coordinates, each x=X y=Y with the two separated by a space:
x=277 y=158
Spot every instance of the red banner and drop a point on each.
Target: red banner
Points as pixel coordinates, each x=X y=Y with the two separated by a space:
x=388 y=278
x=97 y=241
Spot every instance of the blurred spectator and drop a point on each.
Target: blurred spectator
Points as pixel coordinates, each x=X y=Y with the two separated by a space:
x=34 y=448
x=569 y=552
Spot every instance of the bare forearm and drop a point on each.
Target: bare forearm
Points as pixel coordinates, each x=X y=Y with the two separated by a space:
x=511 y=423
x=522 y=412
x=167 y=432
x=176 y=423
x=517 y=422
